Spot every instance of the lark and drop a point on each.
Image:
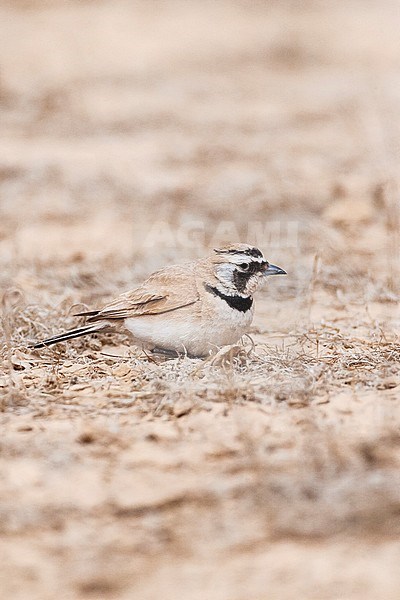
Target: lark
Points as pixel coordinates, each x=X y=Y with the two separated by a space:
x=193 y=308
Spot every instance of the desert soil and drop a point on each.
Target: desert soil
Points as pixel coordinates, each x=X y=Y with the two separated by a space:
x=136 y=134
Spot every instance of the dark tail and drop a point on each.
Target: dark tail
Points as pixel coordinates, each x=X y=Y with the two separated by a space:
x=70 y=335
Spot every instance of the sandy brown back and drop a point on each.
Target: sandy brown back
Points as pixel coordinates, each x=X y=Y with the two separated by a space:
x=166 y=290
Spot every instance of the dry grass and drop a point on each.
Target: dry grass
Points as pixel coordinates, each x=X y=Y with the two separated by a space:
x=121 y=474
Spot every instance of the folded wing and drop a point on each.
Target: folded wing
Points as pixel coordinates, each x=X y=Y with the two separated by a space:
x=175 y=289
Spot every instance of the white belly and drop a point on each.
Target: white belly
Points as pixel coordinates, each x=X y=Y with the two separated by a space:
x=185 y=332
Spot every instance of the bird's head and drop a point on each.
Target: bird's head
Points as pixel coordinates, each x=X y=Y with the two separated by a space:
x=241 y=269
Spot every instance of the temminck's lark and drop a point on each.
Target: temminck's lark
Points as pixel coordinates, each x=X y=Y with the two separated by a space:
x=193 y=308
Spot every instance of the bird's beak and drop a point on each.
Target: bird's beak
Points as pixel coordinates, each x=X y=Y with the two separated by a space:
x=274 y=270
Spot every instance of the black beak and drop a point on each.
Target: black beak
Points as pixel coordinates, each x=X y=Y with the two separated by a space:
x=274 y=270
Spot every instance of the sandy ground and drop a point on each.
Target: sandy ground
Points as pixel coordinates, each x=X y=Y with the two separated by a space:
x=138 y=133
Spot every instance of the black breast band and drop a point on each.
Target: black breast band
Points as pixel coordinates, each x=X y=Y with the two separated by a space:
x=236 y=302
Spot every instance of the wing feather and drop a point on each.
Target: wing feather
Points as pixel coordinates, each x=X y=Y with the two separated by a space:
x=174 y=290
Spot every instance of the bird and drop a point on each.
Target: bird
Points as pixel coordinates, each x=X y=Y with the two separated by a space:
x=191 y=309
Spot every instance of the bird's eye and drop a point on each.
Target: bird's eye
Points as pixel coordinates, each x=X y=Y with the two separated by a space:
x=244 y=266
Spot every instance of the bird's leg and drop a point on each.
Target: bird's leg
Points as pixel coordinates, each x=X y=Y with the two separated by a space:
x=167 y=353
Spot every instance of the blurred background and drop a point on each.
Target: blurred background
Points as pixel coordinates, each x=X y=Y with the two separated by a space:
x=144 y=132
x=137 y=133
